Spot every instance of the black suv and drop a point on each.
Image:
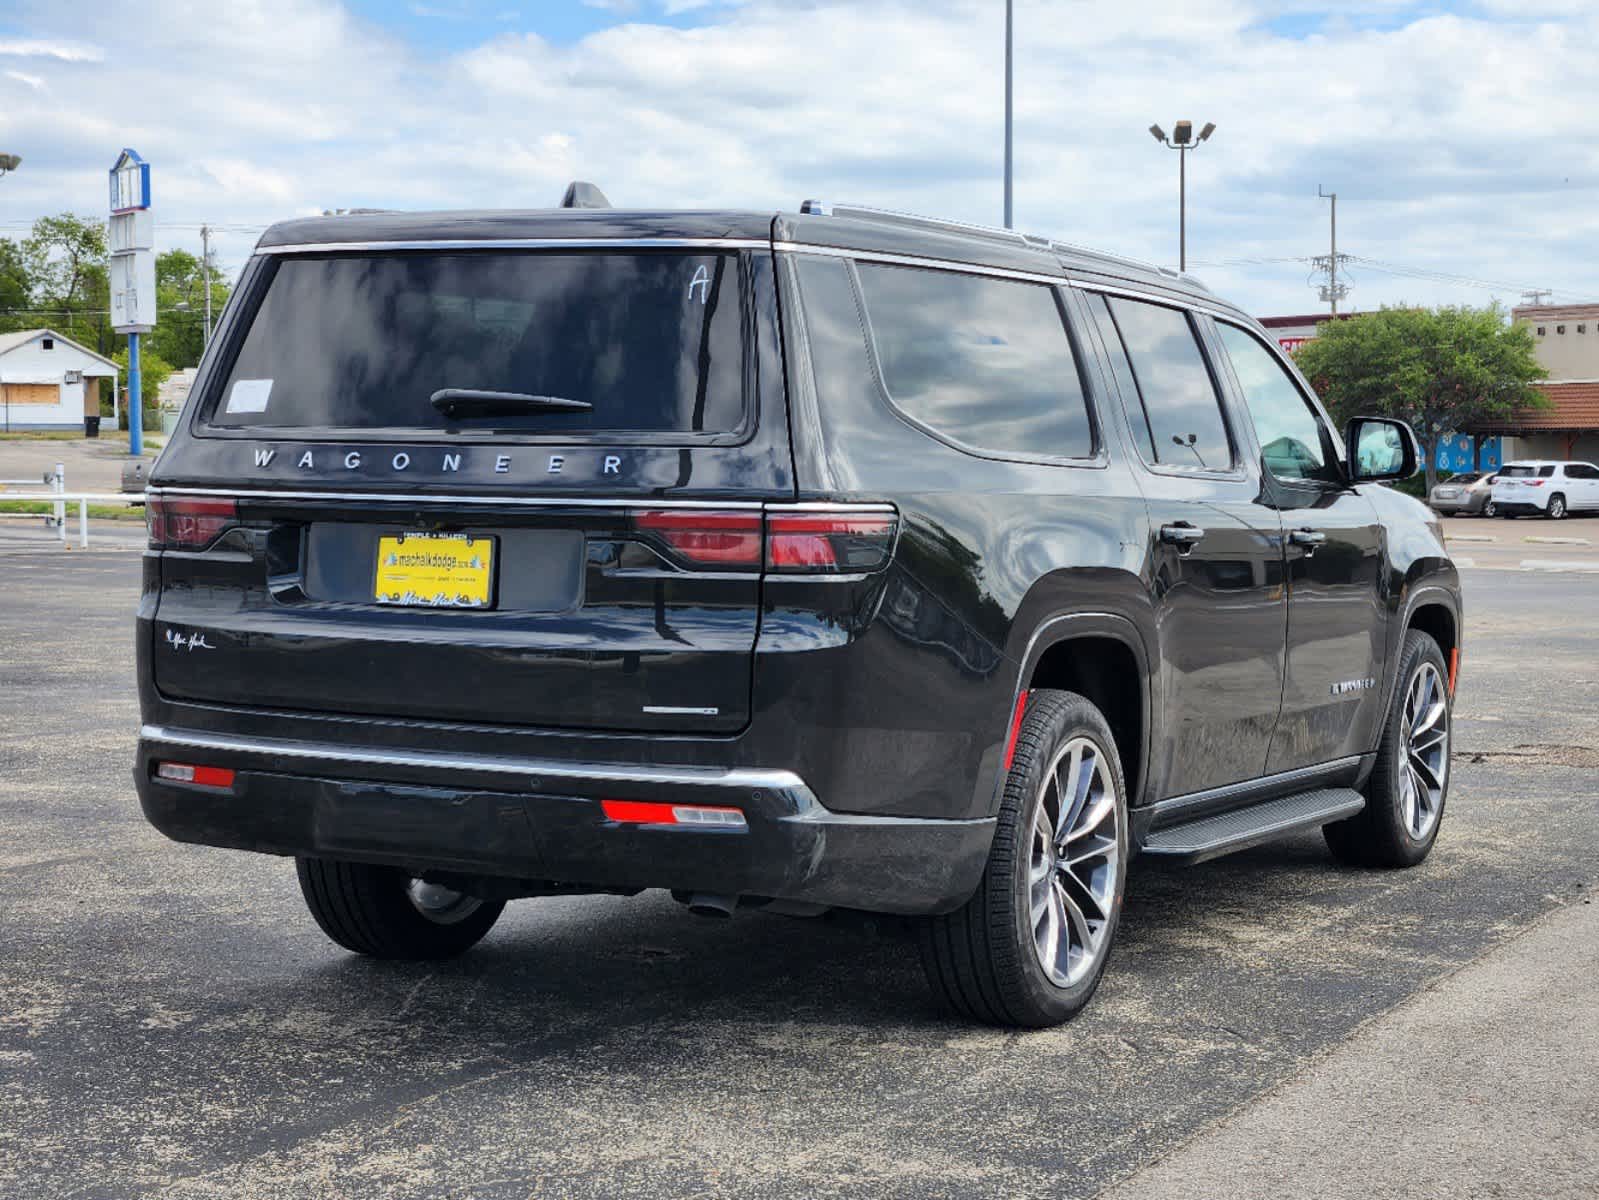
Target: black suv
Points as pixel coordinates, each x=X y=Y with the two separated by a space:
x=830 y=559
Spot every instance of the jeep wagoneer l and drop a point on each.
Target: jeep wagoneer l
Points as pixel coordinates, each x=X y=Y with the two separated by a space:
x=797 y=560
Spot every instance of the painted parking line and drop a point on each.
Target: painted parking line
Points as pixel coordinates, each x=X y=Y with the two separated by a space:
x=1470 y=537
x=1557 y=541
x=1559 y=564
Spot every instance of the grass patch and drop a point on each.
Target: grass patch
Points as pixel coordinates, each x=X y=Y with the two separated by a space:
x=98 y=512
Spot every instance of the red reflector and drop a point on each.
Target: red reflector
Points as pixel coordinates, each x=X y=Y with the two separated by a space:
x=219 y=777
x=828 y=542
x=707 y=538
x=643 y=812
x=1015 y=729
x=187 y=524
x=1454 y=668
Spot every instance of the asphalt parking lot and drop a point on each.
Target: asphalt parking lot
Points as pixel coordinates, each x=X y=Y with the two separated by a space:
x=173 y=1024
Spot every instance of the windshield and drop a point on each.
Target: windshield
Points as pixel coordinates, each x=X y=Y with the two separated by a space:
x=645 y=343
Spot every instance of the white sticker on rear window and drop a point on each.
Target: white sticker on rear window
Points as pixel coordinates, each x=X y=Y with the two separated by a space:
x=249 y=395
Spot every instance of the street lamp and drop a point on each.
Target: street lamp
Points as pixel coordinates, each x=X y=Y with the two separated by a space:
x=1182 y=140
x=9 y=163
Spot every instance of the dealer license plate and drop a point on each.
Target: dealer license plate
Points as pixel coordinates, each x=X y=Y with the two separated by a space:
x=435 y=570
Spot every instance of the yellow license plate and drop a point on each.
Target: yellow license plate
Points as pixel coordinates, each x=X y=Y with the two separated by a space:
x=435 y=570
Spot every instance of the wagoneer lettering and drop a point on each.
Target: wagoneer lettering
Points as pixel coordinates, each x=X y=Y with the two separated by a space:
x=786 y=561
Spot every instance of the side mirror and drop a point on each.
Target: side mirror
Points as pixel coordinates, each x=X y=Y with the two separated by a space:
x=1381 y=448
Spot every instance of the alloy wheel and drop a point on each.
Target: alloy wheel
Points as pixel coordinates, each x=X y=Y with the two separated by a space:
x=441 y=905
x=1075 y=859
x=1557 y=507
x=1424 y=747
x=1490 y=509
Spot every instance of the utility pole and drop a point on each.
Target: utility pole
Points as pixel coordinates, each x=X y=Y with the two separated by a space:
x=1536 y=297
x=1332 y=290
x=205 y=276
x=1009 y=71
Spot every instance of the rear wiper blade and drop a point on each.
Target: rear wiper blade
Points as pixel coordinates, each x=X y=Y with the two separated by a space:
x=474 y=402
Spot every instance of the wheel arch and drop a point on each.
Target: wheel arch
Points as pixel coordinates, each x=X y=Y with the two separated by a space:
x=1102 y=657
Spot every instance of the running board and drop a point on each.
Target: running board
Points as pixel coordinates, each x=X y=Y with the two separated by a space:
x=1210 y=837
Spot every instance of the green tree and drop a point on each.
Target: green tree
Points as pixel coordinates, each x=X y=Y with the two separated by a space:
x=1438 y=369
x=16 y=289
x=65 y=258
x=179 y=335
x=153 y=372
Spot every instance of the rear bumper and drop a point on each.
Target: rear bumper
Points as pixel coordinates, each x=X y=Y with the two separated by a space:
x=541 y=820
x=1518 y=508
x=1457 y=504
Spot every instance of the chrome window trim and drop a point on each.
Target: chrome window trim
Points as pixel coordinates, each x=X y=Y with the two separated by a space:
x=914 y=260
x=535 y=768
x=521 y=244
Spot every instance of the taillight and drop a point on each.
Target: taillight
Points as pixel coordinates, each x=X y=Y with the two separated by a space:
x=839 y=541
x=829 y=543
x=187 y=524
x=708 y=537
x=1534 y=482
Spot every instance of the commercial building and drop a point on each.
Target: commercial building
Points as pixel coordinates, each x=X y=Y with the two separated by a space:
x=50 y=382
x=1567 y=340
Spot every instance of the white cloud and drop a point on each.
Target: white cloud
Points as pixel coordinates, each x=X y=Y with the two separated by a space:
x=45 y=48
x=33 y=81
x=1455 y=142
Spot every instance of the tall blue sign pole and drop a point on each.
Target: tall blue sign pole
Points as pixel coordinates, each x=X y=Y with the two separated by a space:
x=132 y=236
x=135 y=399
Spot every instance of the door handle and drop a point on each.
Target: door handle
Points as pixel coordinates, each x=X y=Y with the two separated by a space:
x=1308 y=538
x=1182 y=535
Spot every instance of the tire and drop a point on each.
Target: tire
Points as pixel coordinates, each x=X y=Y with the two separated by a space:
x=1403 y=812
x=985 y=961
x=1490 y=509
x=384 y=913
x=1556 y=511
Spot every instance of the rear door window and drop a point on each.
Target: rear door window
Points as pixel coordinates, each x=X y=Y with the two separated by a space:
x=1181 y=406
x=983 y=362
x=645 y=344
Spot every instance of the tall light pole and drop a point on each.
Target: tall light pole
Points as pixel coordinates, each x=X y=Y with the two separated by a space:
x=1009 y=72
x=1182 y=140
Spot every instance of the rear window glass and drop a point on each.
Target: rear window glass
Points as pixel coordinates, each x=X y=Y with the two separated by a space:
x=645 y=343
x=1466 y=478
x=1528 y=472
x=986 y=362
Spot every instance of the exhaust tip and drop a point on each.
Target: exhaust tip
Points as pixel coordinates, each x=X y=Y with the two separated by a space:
x=712 y=904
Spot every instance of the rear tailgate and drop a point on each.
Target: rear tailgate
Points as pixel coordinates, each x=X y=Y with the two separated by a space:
x=335 y=540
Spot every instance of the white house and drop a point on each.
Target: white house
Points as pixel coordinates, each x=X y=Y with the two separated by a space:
x=50 y=382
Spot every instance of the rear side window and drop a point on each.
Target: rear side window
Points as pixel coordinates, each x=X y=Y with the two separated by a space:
x=1180 y=403
x=984 y=362
x=643 y=343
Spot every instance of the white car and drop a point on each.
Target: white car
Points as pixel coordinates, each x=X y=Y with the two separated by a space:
x=1550 y=489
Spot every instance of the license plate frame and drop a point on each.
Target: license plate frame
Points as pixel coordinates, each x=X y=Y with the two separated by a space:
x=416 y=568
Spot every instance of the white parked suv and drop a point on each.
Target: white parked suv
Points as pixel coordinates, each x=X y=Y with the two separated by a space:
x=1551 y=489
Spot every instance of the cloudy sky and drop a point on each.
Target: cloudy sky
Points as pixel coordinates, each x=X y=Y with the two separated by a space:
x=1459 y=134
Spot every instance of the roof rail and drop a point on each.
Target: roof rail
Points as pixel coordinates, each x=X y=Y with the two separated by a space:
x=886 y=216
x=1121 y=260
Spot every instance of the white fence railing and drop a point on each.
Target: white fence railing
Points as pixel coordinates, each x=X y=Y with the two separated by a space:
x=82 y=499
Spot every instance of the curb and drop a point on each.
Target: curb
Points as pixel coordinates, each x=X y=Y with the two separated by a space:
x=1470 y=537
x=1559 y=564
x=1557 y=541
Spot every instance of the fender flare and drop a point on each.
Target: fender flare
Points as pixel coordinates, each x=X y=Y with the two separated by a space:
x=1064 y=627
x=1425 y=594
